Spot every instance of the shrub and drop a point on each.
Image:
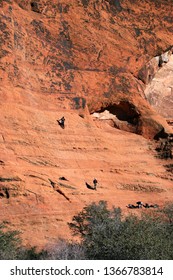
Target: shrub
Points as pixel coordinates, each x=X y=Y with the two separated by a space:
x=105 y=234
x=65 y=250
x=11 y=247
x=32 y=254
x=9 y=243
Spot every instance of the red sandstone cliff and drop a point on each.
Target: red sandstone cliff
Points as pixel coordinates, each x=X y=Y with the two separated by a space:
x=74 y=58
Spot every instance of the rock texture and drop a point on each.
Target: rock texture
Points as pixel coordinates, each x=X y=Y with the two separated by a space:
x=88 y=52
x=72 y=59
x=159 y=91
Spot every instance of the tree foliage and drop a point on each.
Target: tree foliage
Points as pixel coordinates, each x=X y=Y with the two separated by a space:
x=9 y=243
x=11 y=247
x=106 y=234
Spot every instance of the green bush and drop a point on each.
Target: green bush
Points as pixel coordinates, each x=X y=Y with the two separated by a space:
x=11 y=247
x=32 y=254
x=9 y=243
x=105 y=234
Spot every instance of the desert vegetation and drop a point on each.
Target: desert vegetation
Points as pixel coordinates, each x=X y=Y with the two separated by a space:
x=11 y=246
x=105 y=234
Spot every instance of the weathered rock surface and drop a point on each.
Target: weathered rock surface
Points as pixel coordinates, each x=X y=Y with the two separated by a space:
x=74 y=58
x=159 y=92
x=88 y=52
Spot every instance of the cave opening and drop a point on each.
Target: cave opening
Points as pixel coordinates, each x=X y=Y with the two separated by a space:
x=123 y=116
x=124 y=111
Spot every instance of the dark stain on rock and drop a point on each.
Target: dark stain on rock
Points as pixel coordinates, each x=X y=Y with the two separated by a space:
x=34 y=7
x=41 y=30
x=9 y=179
x=65 y=42
x=63 y=8
x=116 y=4
x=3 y=53
x=85 y=3
x=79 y=102
x=3 y=26
x=68 y=65
x=114 y=70
x=168 y=19
x=137 y=31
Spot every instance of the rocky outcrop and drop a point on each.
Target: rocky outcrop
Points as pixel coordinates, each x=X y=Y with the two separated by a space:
x=78 y=59
x=159 y=92
x=148 y=71
x=90 y=53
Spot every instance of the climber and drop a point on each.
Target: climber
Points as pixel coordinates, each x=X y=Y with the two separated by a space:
x=95 y=182
x=139 y=203
x=61 y=122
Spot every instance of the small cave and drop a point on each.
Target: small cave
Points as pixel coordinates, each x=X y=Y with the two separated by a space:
x=124 y=116
x=124 y=111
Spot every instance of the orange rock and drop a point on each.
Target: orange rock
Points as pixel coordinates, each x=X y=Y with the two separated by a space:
x=73 y=59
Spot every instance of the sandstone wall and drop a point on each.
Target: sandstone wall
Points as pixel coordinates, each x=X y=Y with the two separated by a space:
x=78 y=59
x=89 y=53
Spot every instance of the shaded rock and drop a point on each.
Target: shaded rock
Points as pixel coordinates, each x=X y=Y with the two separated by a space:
x=34 y=7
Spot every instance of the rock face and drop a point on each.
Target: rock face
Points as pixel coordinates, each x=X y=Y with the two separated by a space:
x=159 y=91
x=89 y=53
x=75 y=59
